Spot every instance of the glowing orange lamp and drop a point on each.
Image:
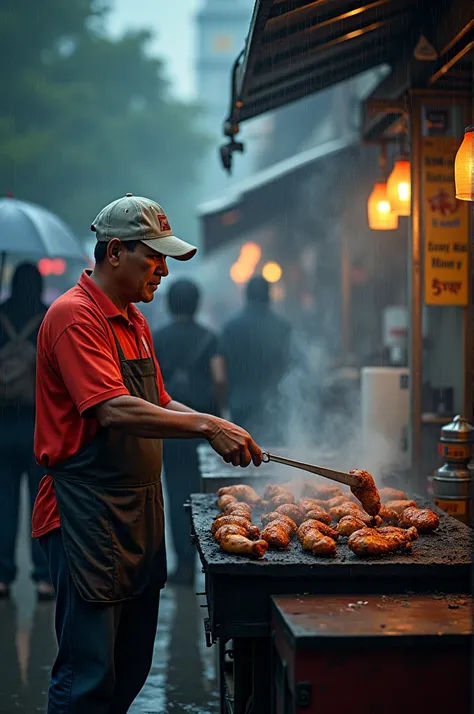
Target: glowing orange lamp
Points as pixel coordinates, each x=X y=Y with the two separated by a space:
x=379 y=211
x=272 y=272
x=464 y=167
x=399 y=187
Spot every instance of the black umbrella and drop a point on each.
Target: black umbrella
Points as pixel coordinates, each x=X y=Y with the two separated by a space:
x=26 y=228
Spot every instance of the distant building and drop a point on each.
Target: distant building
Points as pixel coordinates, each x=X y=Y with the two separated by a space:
x=221 y=29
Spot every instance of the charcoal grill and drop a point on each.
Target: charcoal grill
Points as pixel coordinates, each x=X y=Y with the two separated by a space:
x=239 y=591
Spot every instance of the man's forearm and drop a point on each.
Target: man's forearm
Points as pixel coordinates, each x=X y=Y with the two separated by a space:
x=141 y=418
x=175 y=406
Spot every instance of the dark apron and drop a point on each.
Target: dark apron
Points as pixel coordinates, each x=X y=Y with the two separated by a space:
x=110 y=503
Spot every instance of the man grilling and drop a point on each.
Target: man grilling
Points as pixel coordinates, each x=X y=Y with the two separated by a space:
x=101 y=414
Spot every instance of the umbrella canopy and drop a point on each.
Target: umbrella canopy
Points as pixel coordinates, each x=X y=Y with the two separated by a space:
x=29 y=229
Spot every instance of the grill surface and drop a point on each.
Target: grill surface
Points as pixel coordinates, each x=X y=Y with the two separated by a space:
x=448 y=547
x=239 y=590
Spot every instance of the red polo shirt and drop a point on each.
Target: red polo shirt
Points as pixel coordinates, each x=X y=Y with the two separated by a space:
x=77 y=368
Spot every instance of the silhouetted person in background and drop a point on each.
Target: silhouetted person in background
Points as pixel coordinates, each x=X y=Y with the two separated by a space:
x=255 y=346
x=20 y=319
x=192 y=370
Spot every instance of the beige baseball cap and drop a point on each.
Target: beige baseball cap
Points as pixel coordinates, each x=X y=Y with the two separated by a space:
x=137 y=218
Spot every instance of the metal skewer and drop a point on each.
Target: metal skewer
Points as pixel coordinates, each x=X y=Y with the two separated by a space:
x=339 y=476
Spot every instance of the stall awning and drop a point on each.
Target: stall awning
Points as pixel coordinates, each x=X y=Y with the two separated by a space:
x=297 y=47
x=258 y=199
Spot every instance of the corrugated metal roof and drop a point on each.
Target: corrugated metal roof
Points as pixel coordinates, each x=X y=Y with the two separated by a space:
x=297 y=47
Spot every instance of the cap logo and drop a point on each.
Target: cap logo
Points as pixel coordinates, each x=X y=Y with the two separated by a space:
x=164 y=224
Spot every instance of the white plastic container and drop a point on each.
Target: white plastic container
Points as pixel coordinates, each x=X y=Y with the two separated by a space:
x=385 y=417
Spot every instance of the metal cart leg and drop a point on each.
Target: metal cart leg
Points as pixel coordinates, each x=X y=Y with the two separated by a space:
x=261 y=676
x=242 y=674
x=221 y=676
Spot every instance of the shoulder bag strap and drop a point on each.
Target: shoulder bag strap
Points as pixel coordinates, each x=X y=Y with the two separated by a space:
x=8 y=327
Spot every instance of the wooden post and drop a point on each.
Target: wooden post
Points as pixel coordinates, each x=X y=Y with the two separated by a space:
x=415 y=351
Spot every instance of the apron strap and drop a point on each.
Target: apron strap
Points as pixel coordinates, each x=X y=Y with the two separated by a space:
x=144 y=343
x=117 y=343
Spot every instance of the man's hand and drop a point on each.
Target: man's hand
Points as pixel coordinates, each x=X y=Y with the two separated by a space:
x=234 y=444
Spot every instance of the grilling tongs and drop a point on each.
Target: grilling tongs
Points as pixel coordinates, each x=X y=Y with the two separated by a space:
x=339 y=476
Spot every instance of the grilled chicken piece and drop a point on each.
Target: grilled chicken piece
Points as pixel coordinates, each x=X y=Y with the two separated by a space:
x=371 y=542
x=225 y=501
x=326 y=530
x=317 y=543
x=315 y=490
x=296 y=513
x=277 y=535
x=388 y=515
x=309 y=504
x=271 y=490
x=240 y=508
x=366 y=491
x=349 y=525
x=230 y=529
x=252 y=531
x=275 y=516
x=411 y=533
x=422 y=519
x=240 y=545
x=338 y=501
x=242 y=492
x=399 y=506
x=345 y=509
x=321 y=527
x=319 y=514
x=281 y=498
x=392 y=494
x=278 y=491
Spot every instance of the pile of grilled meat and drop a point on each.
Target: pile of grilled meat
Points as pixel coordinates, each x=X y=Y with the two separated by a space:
x=374 y=522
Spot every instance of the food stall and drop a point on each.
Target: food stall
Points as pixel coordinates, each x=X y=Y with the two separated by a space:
x=416 y=116
x=303 y=631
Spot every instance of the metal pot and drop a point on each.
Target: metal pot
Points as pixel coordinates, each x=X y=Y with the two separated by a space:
x=453 y=482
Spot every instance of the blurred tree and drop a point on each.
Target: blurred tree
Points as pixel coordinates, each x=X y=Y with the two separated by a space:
x=85 y=118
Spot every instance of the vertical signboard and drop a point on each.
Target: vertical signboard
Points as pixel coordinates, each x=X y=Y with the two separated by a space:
x=445 y=226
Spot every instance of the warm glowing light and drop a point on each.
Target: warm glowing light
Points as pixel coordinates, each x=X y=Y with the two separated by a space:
x=251 y=253
x=244 y=268
x=464 y=167
x=272 y=272
x=379 y=210
x=241 y=273
x=51 y=266
x=399 y=187
x=403 y=190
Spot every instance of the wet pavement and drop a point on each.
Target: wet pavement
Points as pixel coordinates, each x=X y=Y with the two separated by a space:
x=182 y=679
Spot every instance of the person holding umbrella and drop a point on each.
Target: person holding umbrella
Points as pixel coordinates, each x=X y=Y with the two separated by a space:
x=102 y=412
x=20 y=319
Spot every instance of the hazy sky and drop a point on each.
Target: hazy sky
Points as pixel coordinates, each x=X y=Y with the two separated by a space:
x=172 y=23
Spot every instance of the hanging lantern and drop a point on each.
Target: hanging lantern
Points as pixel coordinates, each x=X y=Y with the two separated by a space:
x=464 y=167
x=399 y=187
x=379 y=210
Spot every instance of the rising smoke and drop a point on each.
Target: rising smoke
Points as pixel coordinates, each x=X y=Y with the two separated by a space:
x=318 y=416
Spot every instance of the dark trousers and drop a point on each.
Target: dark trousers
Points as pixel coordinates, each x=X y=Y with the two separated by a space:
x=16 y=459
x=105 y=651
x=181 y=465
